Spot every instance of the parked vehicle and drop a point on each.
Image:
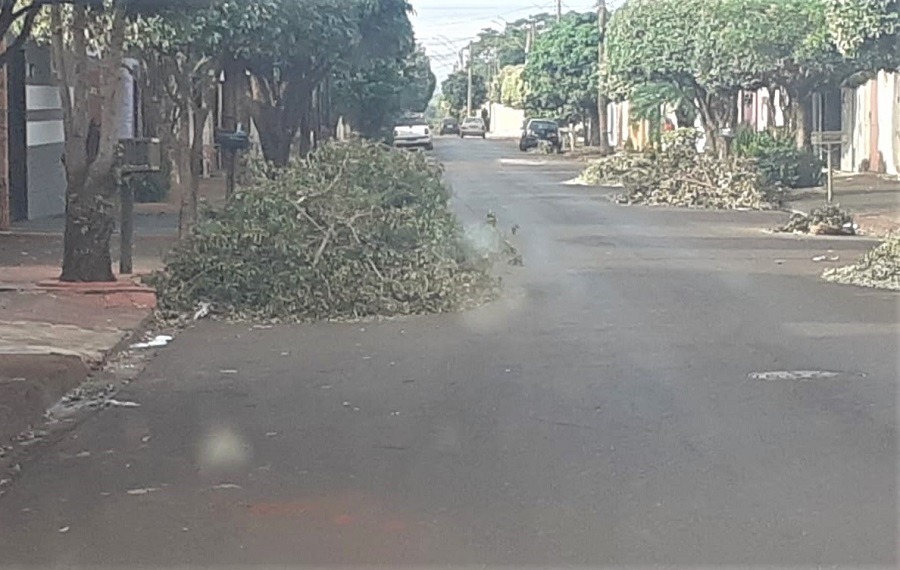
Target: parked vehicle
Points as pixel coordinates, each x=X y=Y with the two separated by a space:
x=472 y=127
x=537 y=130
x=412 y=132
x=449 y=126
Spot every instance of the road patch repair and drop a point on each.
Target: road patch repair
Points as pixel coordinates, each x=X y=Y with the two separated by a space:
x=802 y=375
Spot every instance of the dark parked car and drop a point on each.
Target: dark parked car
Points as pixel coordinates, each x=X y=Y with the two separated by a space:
x=449 y=126
x=537 y=130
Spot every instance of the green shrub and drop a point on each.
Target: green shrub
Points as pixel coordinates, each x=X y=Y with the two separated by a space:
x=356 y=230
x=779 y=159
x=150 y=187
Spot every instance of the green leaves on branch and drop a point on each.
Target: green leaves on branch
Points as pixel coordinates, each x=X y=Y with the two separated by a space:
x=860 y=25
x=509 y=87
x=455 y=90
x=358 y=230
x=713 y=49
x=561 y=73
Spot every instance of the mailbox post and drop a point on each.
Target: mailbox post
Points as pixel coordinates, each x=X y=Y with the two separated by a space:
x=727 y=135
x=135 y=156
x=829 y=140
x=231 y=143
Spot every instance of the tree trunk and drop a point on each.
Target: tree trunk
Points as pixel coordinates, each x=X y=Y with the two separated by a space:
x=275 y=136
x=305 y=129
x=90 y=149
x=160 y=120
x=188 y=217
x=802 y=122
x=90 y=220
x=594 y=113
x=187 y=202
x=278 y=119
x=233 y=92
x=603 y=124
x=896 y=129
x=708 y=121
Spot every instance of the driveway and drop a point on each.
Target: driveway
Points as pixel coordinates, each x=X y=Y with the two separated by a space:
x=621 y=405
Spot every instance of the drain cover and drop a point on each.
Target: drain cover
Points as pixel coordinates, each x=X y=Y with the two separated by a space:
x=802 y=375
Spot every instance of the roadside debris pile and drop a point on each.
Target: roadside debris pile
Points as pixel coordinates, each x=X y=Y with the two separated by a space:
x=878 y=268
x=830 y=220
x=544 y=147
x=617 y=169
x=357 y=230
x=679 y=176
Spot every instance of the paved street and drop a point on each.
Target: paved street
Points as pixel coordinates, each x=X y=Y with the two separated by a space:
x=601 y=413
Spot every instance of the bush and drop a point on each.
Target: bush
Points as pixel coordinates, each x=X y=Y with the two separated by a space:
x=779 y=159
x=357 y=230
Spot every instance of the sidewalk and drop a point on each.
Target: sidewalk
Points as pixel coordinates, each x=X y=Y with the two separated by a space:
x=52 y=335
x=872 y=199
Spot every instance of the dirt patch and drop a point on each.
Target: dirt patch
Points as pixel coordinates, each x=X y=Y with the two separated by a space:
x=31 y=383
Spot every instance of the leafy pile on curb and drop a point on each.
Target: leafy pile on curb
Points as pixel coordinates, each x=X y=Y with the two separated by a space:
x=679 y=176
x=830 y=220
x=879 y=268
x=618 y=169
x=357 y=230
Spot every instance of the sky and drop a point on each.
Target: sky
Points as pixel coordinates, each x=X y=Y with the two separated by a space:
x=446 y=26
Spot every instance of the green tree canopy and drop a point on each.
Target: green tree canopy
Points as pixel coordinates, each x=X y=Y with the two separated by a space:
x=858 y=26
x=711 y=50
x=561 y=74
x=372 y=95
x=455 y=90
x=418 y=83
x=509 y=87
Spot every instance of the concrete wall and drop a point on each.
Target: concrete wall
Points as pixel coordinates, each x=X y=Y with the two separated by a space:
x=871 y=121
x=45 y=137
x=506 y=121
x=887 y=108
x=45 y=133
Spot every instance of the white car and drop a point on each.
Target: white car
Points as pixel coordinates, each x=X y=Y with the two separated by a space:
x=412 y=132
x=472 y=127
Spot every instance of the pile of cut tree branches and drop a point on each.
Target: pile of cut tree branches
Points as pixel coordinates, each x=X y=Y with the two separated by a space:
x=830 y=220
x=677 y=175
x=878 y=268
x=357 y=230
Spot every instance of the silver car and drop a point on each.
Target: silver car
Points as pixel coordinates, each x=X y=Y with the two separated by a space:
x=472 y=127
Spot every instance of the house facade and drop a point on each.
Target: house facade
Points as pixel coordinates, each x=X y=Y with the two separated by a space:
x=871 y=119
x=36 y=177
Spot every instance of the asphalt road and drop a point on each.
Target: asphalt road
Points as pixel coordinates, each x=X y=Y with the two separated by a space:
x=602 y=413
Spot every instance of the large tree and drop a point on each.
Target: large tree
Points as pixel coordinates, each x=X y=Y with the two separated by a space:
x=708 y=51
x=455 y=90
x=562 y=72
x=371 y=95
x=858 y=26
x=418 y=82
x=88 y=46
x=509 y=87
x=182 y=71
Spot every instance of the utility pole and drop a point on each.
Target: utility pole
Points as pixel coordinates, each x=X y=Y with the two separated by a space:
x=558 y=10
x=602 y=100
x=469 y=97
x=4 y=146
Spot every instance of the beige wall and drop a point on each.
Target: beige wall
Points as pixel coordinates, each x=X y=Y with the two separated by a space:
x=506 y=120
x=858 y=118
